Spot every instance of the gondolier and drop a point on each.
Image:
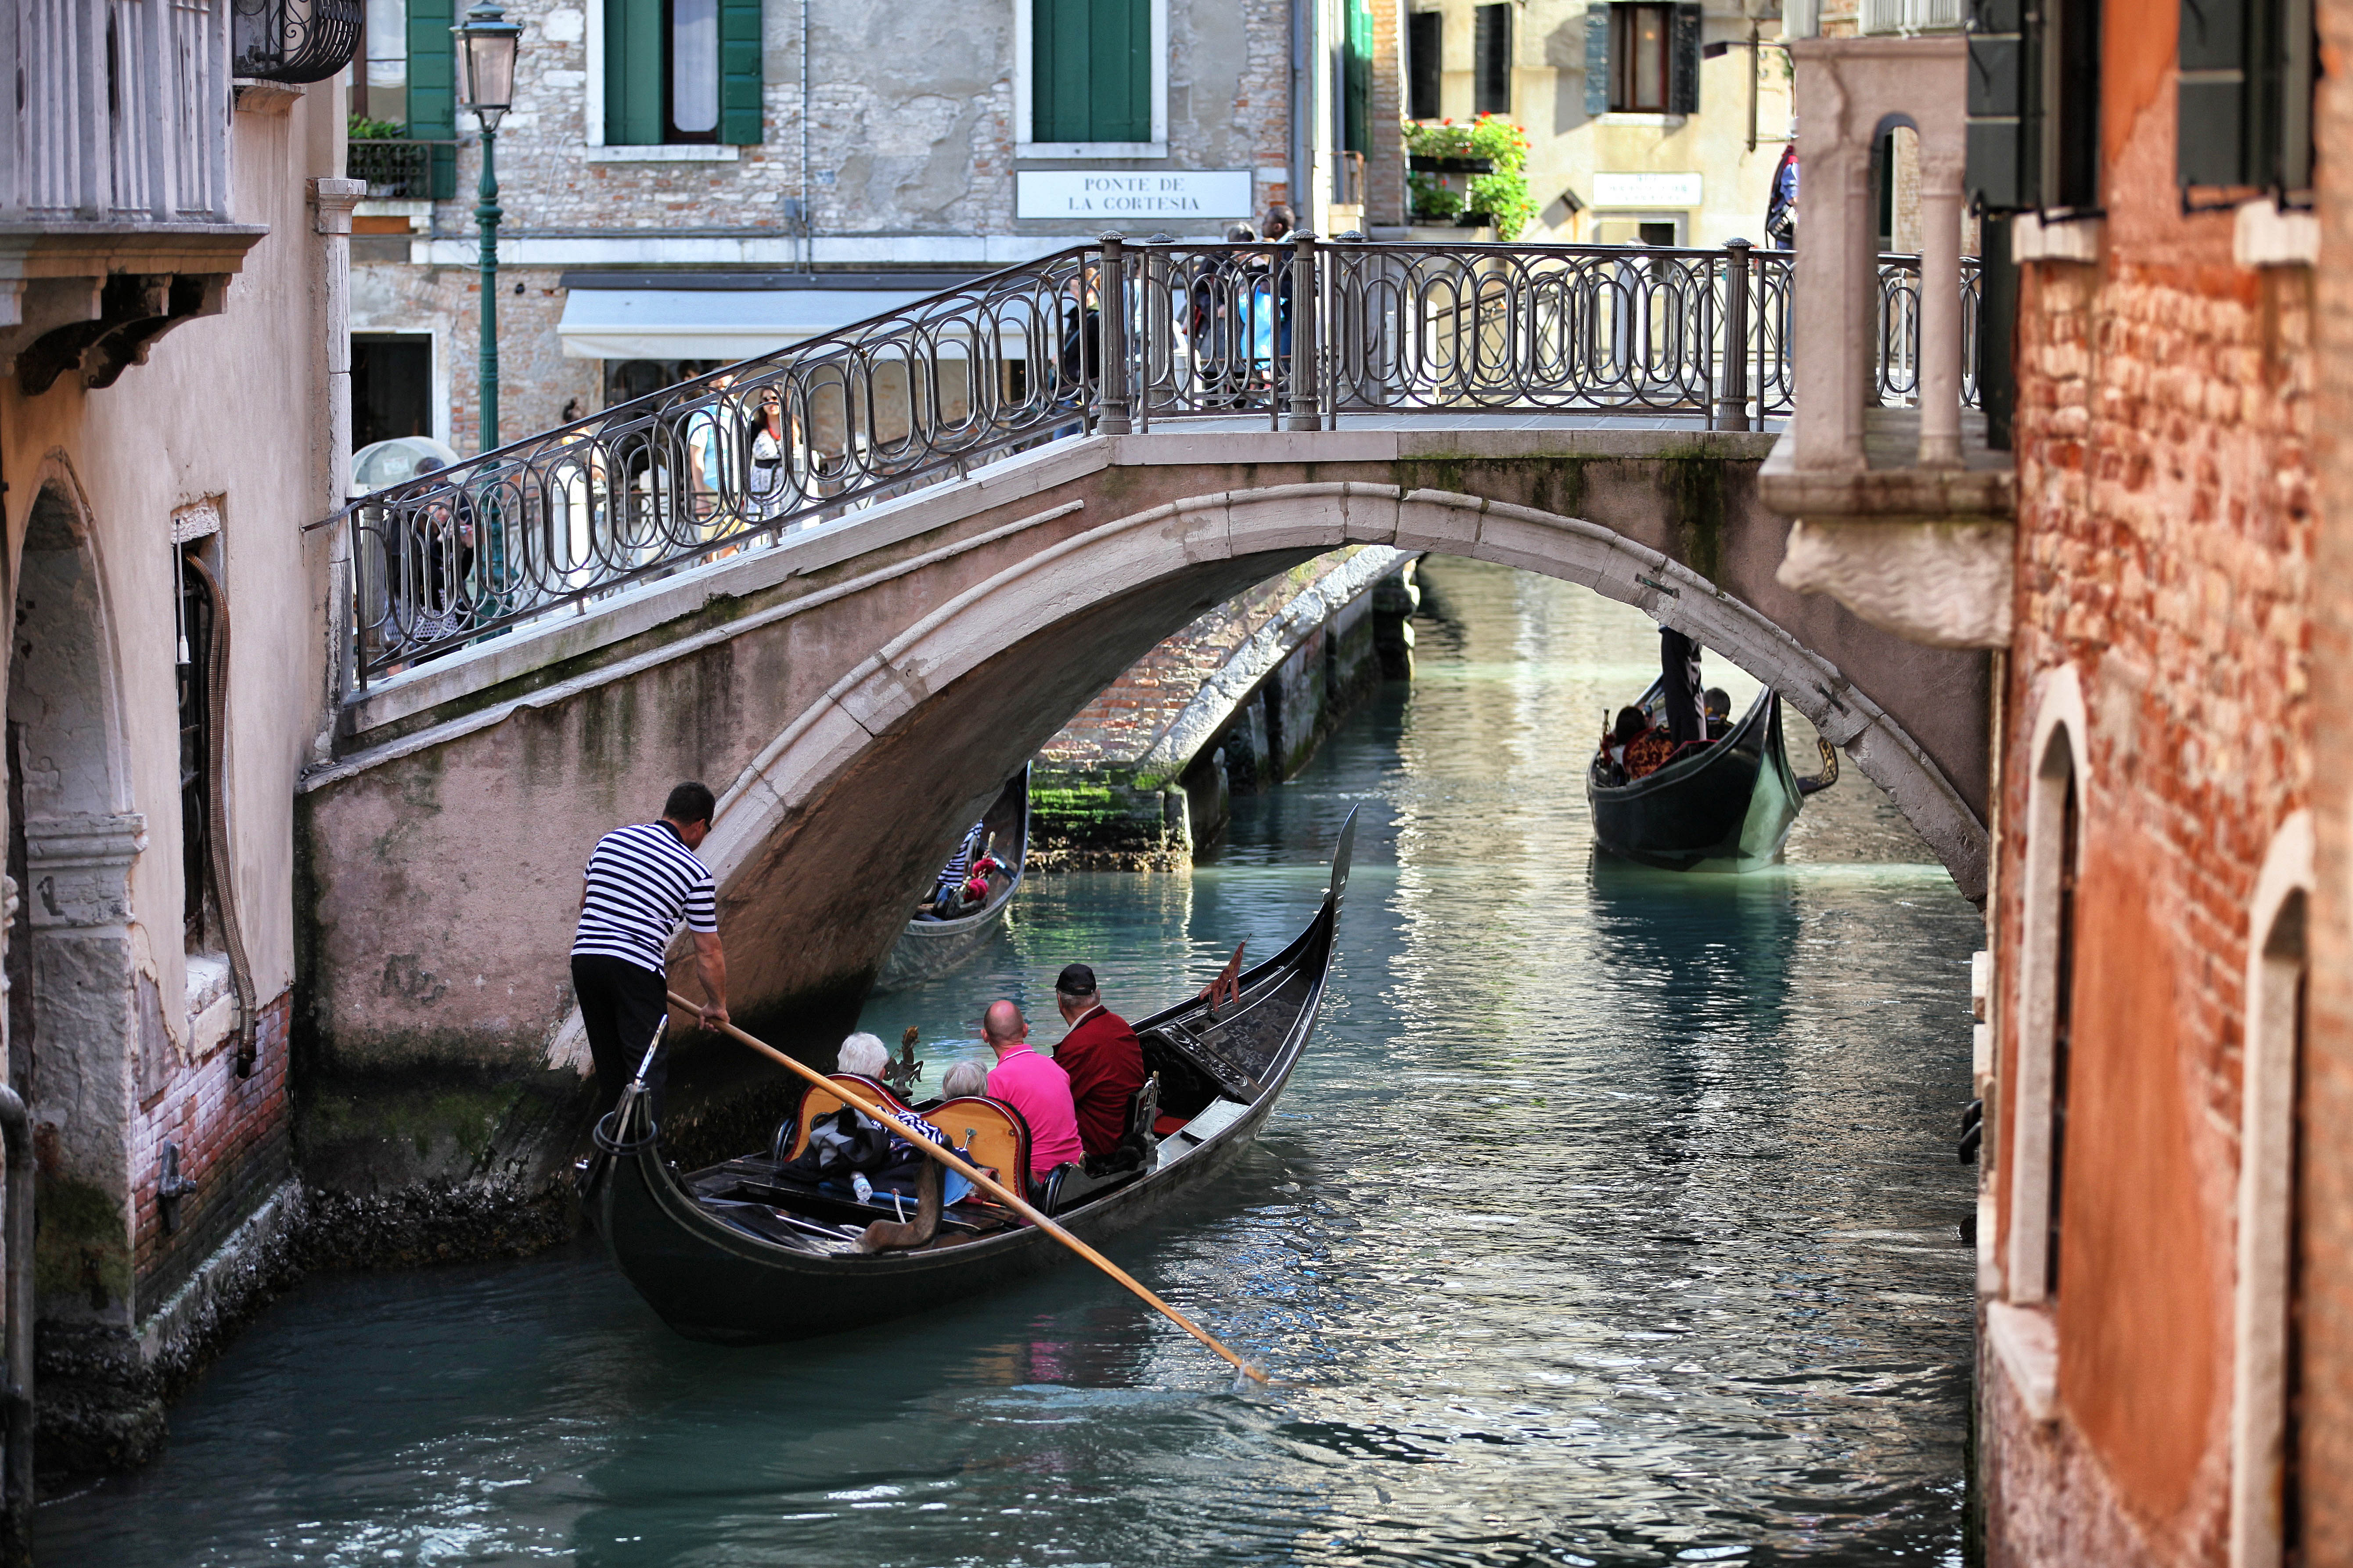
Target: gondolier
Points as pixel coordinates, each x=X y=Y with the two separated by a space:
x=641 y=880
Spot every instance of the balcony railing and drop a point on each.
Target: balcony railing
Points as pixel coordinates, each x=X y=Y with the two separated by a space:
x=294 y=40
x=404 y=170
x=122 y=113
x=1302 y=335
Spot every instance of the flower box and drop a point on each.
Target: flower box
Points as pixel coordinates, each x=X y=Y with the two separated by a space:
x=1429 y=165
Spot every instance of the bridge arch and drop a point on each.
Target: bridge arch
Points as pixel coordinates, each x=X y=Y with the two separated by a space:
x=918 y=732
x=1028 y=600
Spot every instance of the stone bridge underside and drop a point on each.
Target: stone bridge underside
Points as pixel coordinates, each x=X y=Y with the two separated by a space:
x=856 y=693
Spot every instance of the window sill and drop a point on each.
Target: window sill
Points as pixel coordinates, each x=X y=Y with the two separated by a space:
x=2026 y=1344
x=681 y=153
x=2264 y=235
x=2032 y=239
x=1091 y=149
x=1630 y=117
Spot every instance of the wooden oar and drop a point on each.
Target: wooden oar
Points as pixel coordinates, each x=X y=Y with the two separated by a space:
x=982 y=1180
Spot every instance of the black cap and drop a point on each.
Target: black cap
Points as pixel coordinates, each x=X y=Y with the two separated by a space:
x=1078 y=980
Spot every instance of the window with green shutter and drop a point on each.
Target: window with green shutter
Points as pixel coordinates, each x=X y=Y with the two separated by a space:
x=1090 y=70
x=681 y=71
x=2033 y=106
x=2243 y=103
x=433 y=89
x=1356 y=82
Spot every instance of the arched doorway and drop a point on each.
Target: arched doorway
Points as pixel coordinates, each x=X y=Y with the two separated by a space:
x=86 y=1028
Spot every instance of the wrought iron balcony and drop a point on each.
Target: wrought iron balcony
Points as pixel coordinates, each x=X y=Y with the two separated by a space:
x=1302 y=335
x=404 y=169
x=293 y=40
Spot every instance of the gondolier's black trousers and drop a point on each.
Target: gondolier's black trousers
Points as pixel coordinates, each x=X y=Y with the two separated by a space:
x=621 y=1003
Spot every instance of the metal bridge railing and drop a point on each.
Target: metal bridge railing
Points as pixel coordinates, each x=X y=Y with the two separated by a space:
x=1113 y=338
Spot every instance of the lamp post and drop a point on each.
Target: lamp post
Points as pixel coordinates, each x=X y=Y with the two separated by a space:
x=486 y=56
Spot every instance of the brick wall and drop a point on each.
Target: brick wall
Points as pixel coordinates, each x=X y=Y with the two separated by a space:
x=232 y=1137
x=2166 y=536
x=2327 y=1196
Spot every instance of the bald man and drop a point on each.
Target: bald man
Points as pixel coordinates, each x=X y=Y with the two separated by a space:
x=1034 y=1085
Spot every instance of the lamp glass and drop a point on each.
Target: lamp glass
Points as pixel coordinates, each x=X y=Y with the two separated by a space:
x=488 y=41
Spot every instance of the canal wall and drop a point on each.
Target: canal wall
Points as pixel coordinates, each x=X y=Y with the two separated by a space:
x=1234 y=703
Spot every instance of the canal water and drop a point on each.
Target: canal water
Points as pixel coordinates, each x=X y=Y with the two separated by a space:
x=1609 y=1219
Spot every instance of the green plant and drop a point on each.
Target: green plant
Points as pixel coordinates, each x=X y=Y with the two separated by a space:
x=1502 y=193
x=363 y=128
x=1432 y=197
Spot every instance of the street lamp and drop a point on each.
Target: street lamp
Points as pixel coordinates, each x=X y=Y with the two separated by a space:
x=486 y=56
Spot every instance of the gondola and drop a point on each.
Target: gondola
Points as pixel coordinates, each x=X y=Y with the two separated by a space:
x=1727 y=806
x=930 y=947
x=744 y=1253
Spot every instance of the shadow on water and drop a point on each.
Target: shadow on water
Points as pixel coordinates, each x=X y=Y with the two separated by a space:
x=1609 y=1219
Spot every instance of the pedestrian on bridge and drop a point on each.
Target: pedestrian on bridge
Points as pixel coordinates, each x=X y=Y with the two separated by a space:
x=641 y=882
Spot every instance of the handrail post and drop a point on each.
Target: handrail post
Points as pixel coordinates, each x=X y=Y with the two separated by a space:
x=1732 y=383
x=1304 y=411
x=1111 y=370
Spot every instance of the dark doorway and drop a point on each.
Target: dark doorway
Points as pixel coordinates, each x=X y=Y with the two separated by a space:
x=392 y=386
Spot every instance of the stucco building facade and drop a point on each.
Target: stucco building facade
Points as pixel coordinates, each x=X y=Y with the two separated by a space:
x=173 y=415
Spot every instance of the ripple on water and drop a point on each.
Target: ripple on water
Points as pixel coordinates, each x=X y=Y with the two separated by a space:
x=1608 y=1220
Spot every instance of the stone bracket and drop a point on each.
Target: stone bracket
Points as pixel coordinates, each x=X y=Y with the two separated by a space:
x=133 y=311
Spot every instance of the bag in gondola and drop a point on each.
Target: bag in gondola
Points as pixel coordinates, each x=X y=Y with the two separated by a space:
x=839 y=1144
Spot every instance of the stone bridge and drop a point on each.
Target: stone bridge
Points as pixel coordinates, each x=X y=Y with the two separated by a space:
x=854 y=691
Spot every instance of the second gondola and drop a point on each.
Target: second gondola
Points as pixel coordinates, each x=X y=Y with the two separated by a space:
x=1725 y=804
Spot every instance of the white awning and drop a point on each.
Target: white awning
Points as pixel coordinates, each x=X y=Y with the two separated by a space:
x=725 y=324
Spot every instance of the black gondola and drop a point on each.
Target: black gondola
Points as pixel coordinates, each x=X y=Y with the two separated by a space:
x=930 y=946
x=1727 y=806
x=742 y=1252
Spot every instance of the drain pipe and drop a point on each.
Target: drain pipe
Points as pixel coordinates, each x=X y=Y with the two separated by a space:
x=18 y=1287
x=1303 y=115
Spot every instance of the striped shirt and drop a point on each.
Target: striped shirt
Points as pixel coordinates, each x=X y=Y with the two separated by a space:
x=958 y=870
x=641 y=879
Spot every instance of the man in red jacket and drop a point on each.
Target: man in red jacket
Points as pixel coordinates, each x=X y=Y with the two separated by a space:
x=1100 y=1055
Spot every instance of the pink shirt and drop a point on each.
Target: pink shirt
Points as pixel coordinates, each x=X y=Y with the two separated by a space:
x=1041 y=1091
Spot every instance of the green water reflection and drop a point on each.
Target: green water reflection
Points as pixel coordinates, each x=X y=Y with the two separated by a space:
x=1609 y=1219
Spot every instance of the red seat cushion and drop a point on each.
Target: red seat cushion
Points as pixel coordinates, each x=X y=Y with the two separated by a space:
x=1162 y=1126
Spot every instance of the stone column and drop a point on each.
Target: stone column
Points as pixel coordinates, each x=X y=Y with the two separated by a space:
x=1940 y=308
x=88 y=1037
x=1828 y=351
x=331 y=201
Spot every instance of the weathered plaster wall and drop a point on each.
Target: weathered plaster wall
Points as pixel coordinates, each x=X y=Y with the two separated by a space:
x=232 y=408
x=2166 y=531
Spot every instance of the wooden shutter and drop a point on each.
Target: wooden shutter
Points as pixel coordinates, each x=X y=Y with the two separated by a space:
x=433 y=89
x=2210 y=97
x=1597 y=59
x=1425 y=55
x=634 y=56
x=1491 y=60
x=2005 y=158
x=1090 y=70
x=739 y=73
x=1356 y=101
x=1682 y=67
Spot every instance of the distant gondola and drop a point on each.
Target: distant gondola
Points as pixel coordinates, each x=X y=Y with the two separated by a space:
x=1726 y=805
x=930 y=946
x=742 y=1253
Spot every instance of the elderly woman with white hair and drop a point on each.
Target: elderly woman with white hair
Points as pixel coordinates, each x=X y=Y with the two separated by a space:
x=864 y=1055
x=965 y=1081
